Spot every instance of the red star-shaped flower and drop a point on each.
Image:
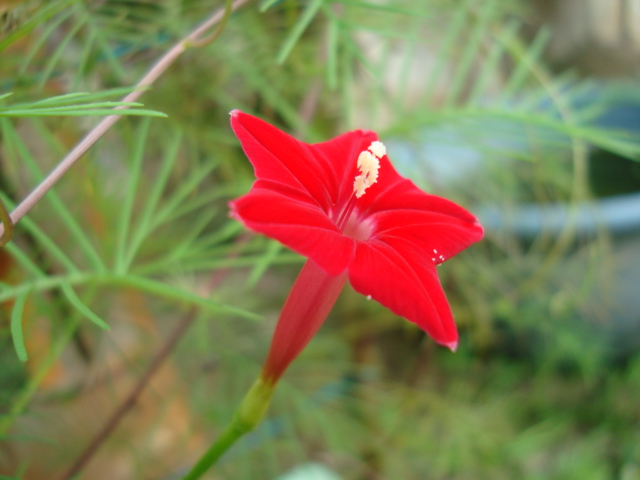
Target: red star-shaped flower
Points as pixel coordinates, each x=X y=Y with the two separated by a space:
x=343 y=205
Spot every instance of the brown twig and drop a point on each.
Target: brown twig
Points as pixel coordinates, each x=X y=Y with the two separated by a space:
x=195 y=38
x=131 y=399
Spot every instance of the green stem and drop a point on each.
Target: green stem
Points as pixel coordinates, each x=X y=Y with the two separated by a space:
x=246 y=418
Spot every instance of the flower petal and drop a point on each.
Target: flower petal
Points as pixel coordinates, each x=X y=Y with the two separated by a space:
x=323 y=170
x=300 y=225
x=400 y=278
x=436 y=235
x=281 y=158
x=404 y=194
x=436 y=226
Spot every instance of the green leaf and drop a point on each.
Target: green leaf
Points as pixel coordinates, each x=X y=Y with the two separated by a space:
x=45 y=240
x=144 y=225
x=47 y=11
x=74 y=300
x=77 y=104
x=527 y=58
x=126 y=212
x=48 y=30
x=298 y=29
x=333 y=43
x=82 y=113
x=61 y=209
x=16 y=326
x=470 y=52
x=24 y=261
x=263 y=263
x=452 y=34
x=267 y=4
x=60 y=50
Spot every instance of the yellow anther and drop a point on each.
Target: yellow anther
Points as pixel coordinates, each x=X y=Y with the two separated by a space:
x=378 y=149
x=368 y=165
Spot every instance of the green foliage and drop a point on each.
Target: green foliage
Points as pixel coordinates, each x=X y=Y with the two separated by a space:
x=74 y=104
x=536 y=389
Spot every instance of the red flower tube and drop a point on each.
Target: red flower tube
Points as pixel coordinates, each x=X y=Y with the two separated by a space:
x=343 y=205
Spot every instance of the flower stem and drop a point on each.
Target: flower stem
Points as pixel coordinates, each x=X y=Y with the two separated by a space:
x=309 y=302
x=247 y=417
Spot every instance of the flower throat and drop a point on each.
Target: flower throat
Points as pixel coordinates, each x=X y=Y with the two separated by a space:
x=368 y=165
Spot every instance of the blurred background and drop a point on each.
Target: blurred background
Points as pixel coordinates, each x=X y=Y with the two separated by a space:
x=525 y=112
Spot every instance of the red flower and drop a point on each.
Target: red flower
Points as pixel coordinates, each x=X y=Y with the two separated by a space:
x=342 y=204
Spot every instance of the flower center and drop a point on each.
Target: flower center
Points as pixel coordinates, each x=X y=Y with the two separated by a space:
x=368 y=165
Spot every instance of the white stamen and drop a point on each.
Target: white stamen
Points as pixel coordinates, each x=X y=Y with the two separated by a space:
x=359 y=186
x=378 y=149
x=368 y=164
x=368 y=297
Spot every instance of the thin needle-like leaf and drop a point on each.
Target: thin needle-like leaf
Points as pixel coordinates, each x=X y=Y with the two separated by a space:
x=51 y=27
x=471 y=52
x=188 y=237
x=170 y=291
x=21 y=258
x=261 y=266
x=58 y=53
x=16 y=326
x=203 y=199
x=39 y=17
x=443 y=56
x=62 y=99
x=46 y=242
x=188 y=186
x=385 y=8
x=380 y=91
x=84 y=112
x=490 y=66
x=526 y=58
x=89 y=44
x=21 y=400
x=68 y=219
x=219 y=236
x=204 y=218
x=333 y=42
x=298 y=29
x=348 y=96
x=70 y=98
x=74 y=300
x=267 y=4
x=143 y=227
x=277 y=100
x=126 y=213
x=80 y=106
x=101 y=41
x=408 y=61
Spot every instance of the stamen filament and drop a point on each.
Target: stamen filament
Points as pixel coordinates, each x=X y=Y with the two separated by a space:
x=346 y=212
